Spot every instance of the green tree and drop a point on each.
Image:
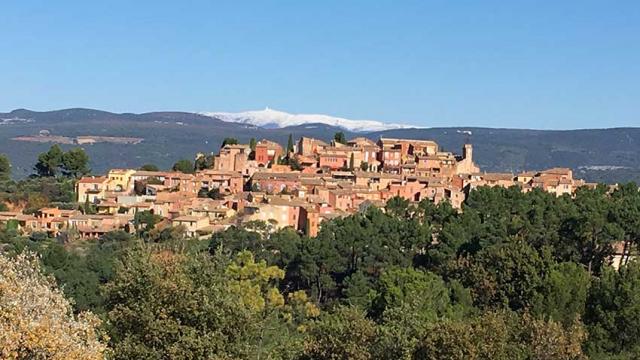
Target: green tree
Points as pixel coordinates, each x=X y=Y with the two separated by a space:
x=591 y=228
x=88 y=208
x=49 y=162
x=626 y=213
x=502 y=336
x=295 y=163
x=509 y=275
x=364 y=166
x=344 y=334
x=203 y=162
x=145 y=221
x=213 y=193
x=183 y=166
x=613 y=312
x=564 y=293
x=290 y=144
x=358 y=290
x=339 y=138
x=352 y=165
x=408 y=301
x=149 y=167
x=229 y=141
x=183 y=305
x=5 y=167
x=252 y=144
x=75 y=163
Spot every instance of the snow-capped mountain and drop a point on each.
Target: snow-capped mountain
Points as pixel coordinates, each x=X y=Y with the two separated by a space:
x=269 y=118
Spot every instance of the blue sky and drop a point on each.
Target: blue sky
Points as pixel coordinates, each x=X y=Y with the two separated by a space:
x=524 y=64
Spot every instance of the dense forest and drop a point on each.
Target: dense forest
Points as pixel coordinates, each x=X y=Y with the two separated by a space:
x=513 y=276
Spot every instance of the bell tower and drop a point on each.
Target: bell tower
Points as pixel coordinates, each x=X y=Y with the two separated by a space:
x=467 y=152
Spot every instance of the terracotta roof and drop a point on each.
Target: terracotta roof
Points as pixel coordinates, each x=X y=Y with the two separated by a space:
x=189 y=218
x=556 y=171
x=263 y=175
x=150 y=173
x=393 y=140
x=497 y=176
x=93 y=180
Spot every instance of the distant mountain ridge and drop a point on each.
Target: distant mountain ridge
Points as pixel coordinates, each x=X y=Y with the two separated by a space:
x=269 y=118
x=609 y=155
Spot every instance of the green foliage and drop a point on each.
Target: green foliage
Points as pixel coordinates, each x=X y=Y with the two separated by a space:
x=149 y=167
x=509 y=275
x=182 y=305
x=213 y=193
x=183 y=166
x=5 y=167
x=415 y=293
x=407 y=302
x=501 y=336
x=80 y=270
x=229 y=141
x=144 y=222
x=295 y=164
x=36 y=192
x=564 y=293
x=290 y=144
x=88 y=208
x=73 y=163
x=339 y=138
x=204 y=162
x=344 y=334
x=613 y=312
x=49 y=162
x=506 y=278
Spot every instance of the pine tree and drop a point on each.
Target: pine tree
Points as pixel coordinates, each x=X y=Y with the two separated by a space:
x=290 y=144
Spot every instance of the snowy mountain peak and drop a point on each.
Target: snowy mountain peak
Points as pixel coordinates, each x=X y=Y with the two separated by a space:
x=270 y=118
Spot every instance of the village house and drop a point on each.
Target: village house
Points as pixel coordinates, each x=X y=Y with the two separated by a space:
x=232 y=158
x=91 y=188
x=334 y=160
x=94 y=226
x=267 y=152
x=310 y=146
x=193 y=225
x=285 y=211
x=120 y=180
x=225 y=181
x=274 y=183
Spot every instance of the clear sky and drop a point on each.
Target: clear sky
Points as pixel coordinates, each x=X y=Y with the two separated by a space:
x=527 y=64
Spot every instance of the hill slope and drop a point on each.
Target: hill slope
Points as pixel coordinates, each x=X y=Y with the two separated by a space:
x=600 y=154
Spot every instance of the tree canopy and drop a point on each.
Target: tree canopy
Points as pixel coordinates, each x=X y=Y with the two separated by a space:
x=36 y=320
x=73 y=163
x=512 y=276
x=5 y=167
x=184 y=166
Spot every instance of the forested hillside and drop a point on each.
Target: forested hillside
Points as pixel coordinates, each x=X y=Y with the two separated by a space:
x=514 y=276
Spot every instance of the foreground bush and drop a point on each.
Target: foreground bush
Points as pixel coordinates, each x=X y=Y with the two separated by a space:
x=37 y=321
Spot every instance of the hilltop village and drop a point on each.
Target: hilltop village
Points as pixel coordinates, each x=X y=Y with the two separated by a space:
x=299 y=186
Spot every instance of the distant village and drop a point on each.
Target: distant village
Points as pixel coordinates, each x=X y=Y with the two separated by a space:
x=300 y=187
